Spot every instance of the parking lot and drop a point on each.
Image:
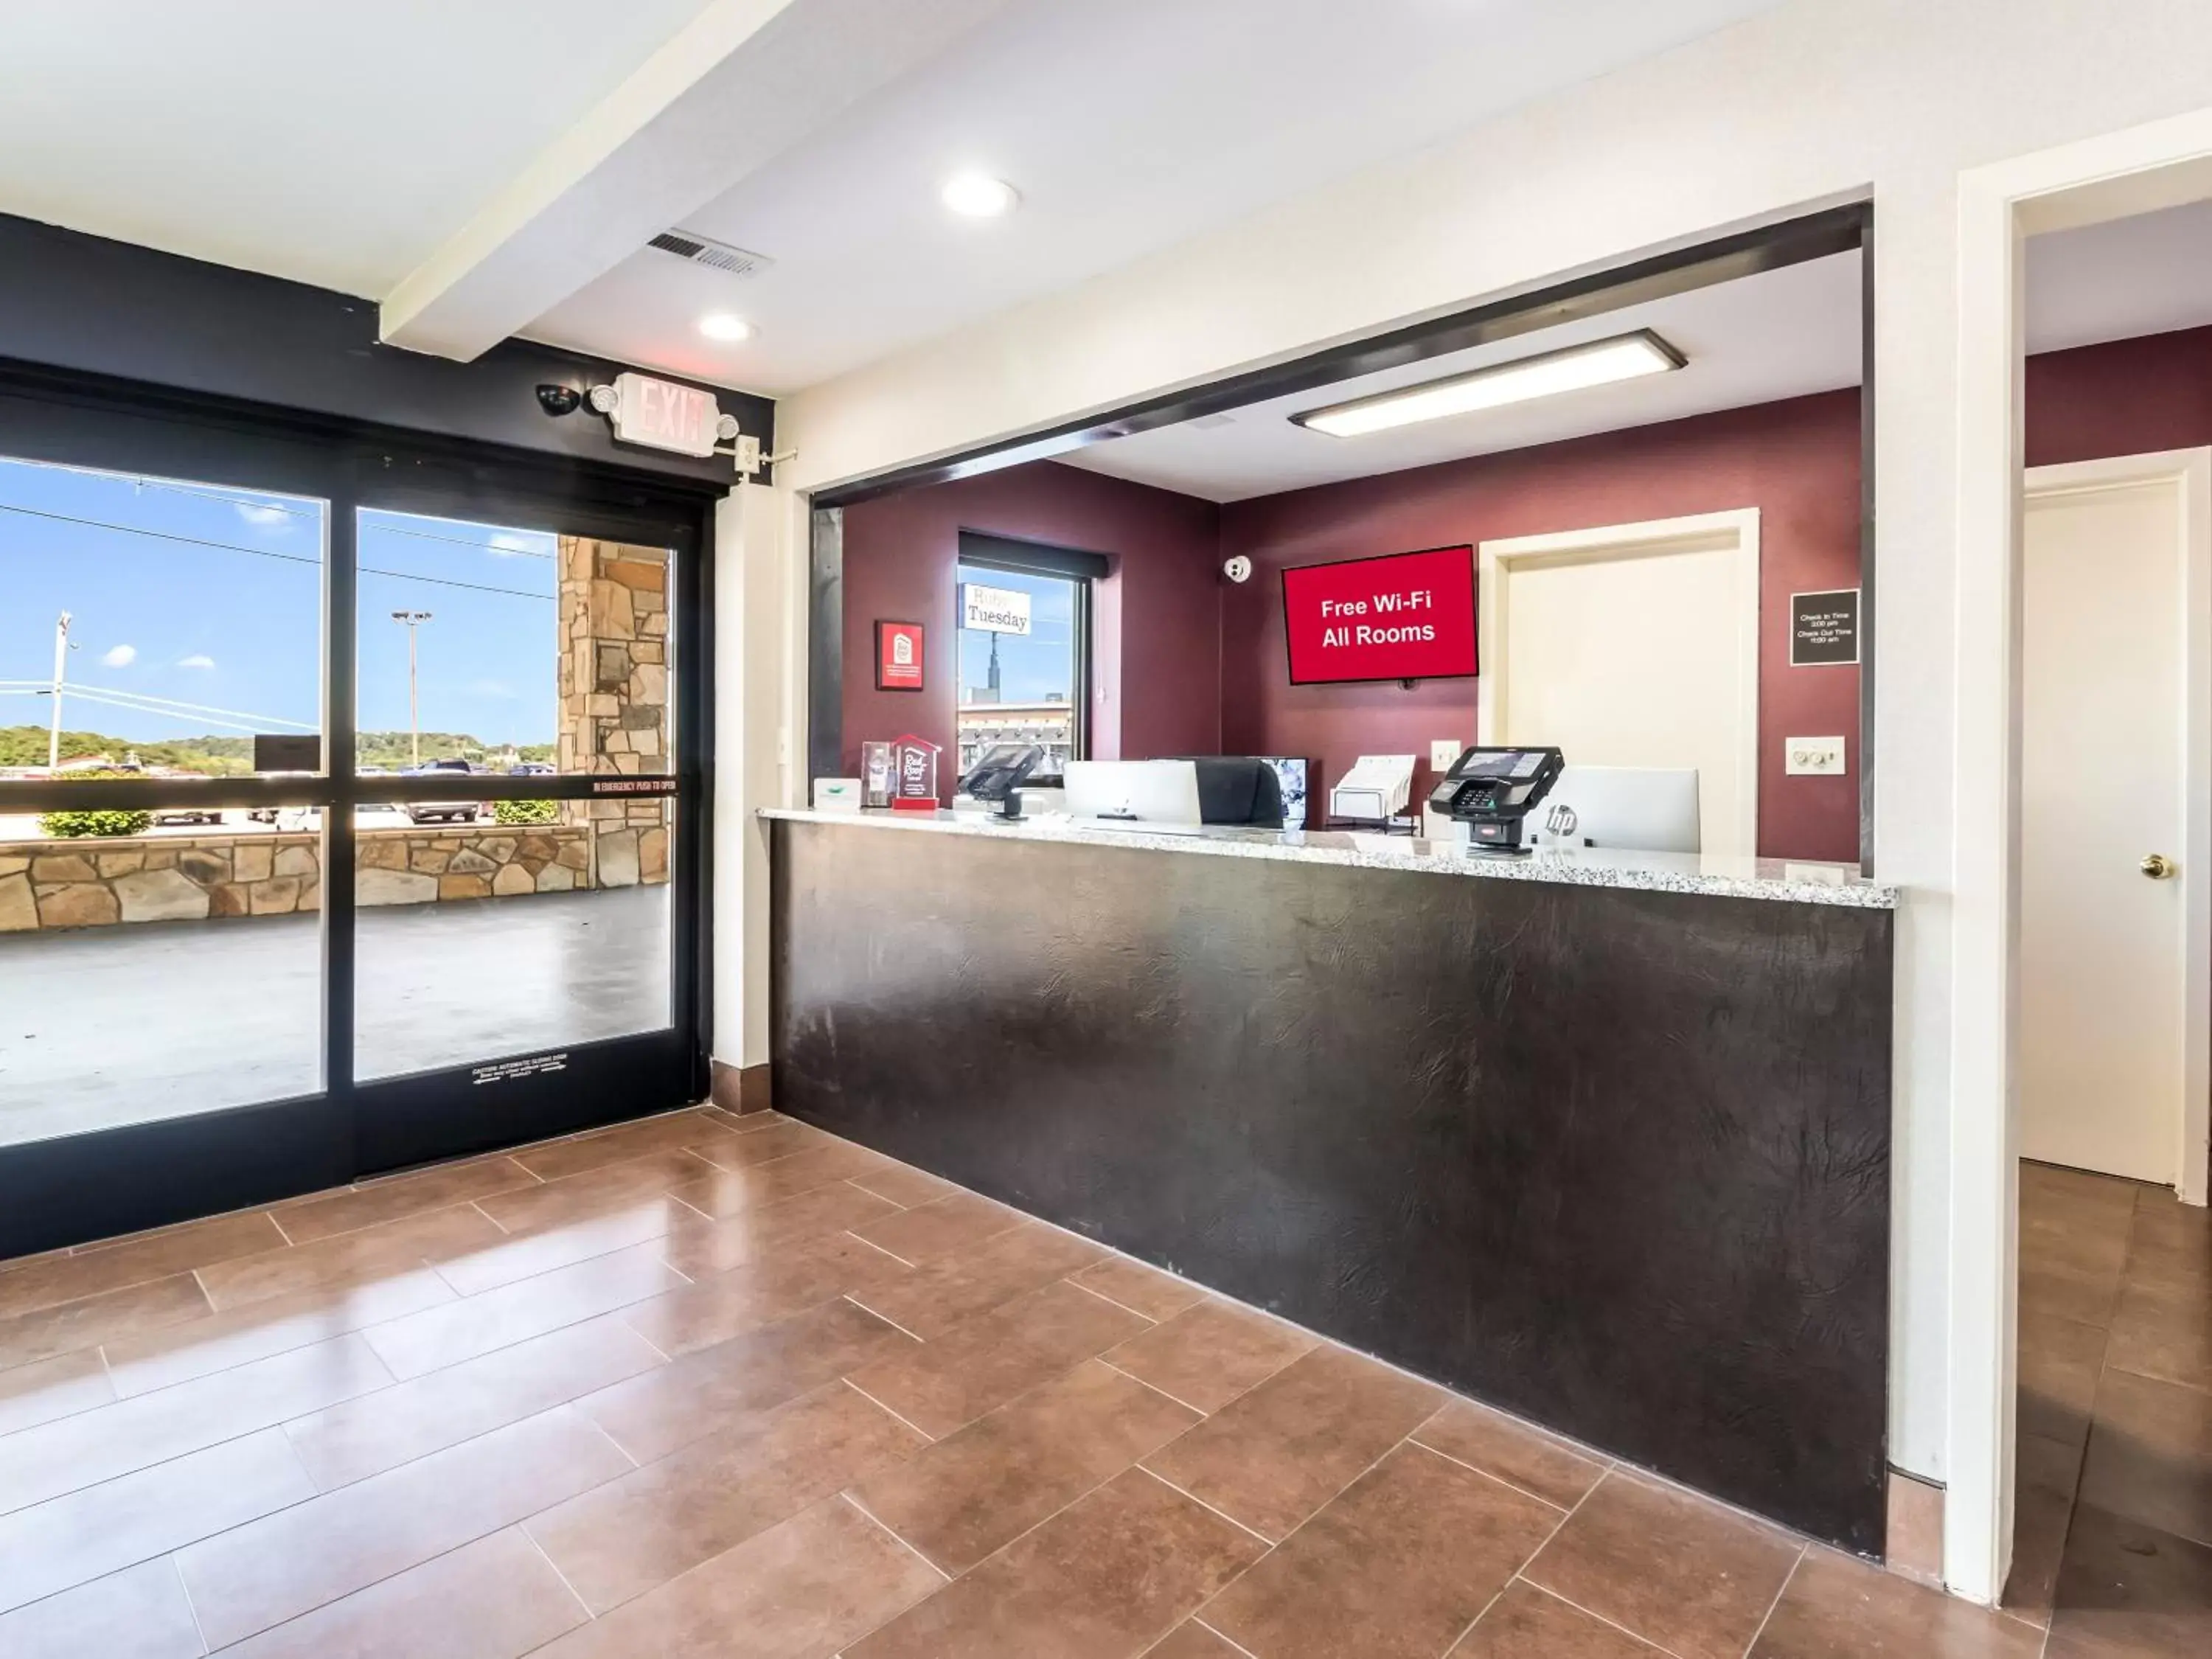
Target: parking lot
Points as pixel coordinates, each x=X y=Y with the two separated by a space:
x=103 y=1026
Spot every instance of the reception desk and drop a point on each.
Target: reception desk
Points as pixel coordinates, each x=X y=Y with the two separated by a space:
x=1602 y=1139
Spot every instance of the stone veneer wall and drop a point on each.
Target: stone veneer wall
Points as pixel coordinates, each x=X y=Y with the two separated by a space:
x=614 y=698
x=83 y=883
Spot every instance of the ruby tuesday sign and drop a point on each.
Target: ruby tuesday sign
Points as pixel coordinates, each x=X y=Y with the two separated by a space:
x=1409 y=615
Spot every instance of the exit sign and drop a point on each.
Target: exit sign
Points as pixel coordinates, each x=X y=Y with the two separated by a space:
x=661 y=415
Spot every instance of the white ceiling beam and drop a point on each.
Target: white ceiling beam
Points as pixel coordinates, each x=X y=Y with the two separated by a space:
x=741 y=84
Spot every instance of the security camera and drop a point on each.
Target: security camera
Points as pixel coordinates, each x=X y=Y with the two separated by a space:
x=1238 y=569
x=559 y=399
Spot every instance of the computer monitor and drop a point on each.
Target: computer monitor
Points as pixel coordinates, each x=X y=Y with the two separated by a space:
x=1642 y=809
x=1134 y=792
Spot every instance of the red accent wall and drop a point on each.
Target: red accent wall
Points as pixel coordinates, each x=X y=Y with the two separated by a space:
x=1797 y=462
x=1185 y=663
x=2126 y=398
x=1155 y=648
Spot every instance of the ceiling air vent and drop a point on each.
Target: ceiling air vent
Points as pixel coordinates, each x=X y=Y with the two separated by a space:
x=704 y=251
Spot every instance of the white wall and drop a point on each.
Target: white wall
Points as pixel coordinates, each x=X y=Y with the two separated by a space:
x=1822 y=101
x=758 y=687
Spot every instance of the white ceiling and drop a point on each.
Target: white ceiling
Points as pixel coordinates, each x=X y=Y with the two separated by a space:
x=2147 y=275
x=1785 y=334
x=336 y=141
x=1127 y=126
x=1779 y=335
x=354 y=145
x=359 y=146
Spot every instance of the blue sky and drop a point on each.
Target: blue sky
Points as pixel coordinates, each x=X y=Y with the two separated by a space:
x=212 y=595
x=1031 y=666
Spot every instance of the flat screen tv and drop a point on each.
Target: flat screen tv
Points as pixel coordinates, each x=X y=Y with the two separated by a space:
x=1402 y=616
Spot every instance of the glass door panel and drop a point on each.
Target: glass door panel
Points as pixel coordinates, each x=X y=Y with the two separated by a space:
x=161 y=950
x=495 y=923
x=517 y=651
x=165 y=964
x=156 y=627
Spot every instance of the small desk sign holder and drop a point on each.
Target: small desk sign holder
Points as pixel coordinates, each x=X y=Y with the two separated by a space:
x=878 y=775
x=913 y=766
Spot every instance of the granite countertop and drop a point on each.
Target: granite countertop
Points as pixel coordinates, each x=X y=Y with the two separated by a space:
x=1583 y=866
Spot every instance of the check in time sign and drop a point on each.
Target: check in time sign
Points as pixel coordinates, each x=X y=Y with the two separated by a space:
x=1405 y=616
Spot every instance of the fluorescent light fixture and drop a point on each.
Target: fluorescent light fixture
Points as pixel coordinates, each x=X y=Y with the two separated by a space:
x=979 y=196
x=1573 y=368
x=722 y=325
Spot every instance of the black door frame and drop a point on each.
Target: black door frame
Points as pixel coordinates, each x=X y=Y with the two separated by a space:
x=72 y=1189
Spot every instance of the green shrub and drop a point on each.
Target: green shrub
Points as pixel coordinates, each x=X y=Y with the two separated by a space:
x=524 y=811
x=68 y=826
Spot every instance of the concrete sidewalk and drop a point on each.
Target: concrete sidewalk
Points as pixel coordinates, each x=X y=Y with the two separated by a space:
x=103 y=1026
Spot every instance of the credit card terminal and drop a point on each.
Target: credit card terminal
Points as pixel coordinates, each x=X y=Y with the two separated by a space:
x=1491 y=790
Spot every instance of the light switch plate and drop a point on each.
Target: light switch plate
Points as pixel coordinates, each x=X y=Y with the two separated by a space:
x=1813 y=757
x=1442 y=752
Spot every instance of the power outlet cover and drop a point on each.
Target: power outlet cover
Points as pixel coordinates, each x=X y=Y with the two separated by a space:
x=1442 y=752
x=1813 y=757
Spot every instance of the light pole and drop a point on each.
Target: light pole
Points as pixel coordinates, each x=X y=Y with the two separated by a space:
x=412 y=619
x=62 y=646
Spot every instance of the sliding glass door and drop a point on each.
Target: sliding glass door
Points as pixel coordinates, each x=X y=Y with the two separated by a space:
x=526 y=929
x=348 y=812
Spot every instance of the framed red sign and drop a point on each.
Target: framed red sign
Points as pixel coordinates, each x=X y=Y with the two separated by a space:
x=898 y=656
x=1403 y=616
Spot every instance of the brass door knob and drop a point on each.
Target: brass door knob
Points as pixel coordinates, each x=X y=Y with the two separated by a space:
x=2158 y=867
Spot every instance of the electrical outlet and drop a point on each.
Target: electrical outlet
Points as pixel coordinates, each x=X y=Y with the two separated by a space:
x=1813 y=757
x=1442 y=752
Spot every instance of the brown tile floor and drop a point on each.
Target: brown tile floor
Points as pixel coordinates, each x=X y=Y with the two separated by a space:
x=2113 y=1545
x=707 y=1386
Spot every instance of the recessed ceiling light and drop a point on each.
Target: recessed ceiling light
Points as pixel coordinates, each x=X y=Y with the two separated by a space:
x=1601 y=363
x=722 y=325
x=979 y=196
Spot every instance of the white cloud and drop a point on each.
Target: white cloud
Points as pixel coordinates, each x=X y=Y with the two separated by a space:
x=121 y=656
x=509 y=543
x=196 y=661
x=489 y=688
x=261 y=518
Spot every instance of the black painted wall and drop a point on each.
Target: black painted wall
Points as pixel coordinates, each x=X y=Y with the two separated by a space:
x=85 y=305
x=1615 y=1161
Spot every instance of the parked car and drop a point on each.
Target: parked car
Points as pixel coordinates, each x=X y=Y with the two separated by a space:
x=531 y=769
x=165 y=815
x=442 y=812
